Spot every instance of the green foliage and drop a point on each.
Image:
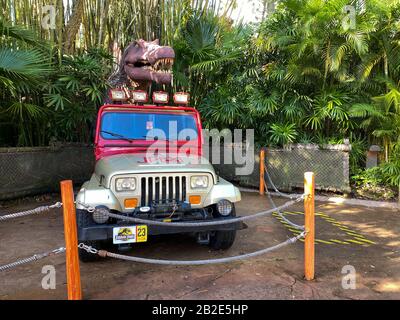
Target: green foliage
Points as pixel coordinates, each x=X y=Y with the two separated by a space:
x=383 y=181
x=359 y=147
x=369 y=177
x=391 y=169
x=75 y=92
x=301 y=75
x=283 y=133
x=208 y=49
x=391 y=172
x=24 y=67
x=41 y=100
x=372 y=184
x=21 y=71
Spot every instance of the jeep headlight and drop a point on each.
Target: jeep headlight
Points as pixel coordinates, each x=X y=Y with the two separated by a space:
x=199 y=182
x=125 y=184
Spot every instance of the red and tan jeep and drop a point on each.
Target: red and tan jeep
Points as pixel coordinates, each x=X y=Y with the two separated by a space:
x=149 y=165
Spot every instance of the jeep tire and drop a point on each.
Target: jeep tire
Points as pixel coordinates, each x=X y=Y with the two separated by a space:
x=222 y=240
x=84 y=219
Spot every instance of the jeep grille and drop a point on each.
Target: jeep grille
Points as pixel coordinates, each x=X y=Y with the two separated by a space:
x=162 y=189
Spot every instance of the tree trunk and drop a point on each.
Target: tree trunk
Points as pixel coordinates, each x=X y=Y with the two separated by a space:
x=12 y=12
x=103 y=16
x=398 y=195
x=73 y=26
x=385 y=65
x=60 y=29
x=386 y=150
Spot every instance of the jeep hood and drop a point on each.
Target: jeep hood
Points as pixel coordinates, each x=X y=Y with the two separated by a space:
x=120 y=164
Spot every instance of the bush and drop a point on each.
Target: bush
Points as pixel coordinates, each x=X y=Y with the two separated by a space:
x=373 y=184
x=75 y=92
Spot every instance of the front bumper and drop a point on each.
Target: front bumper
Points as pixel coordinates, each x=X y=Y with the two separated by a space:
x=105 y=231
x=94 y=194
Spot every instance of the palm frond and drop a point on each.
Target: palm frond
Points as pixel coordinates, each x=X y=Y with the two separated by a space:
x=363 y=110
x=22 y=68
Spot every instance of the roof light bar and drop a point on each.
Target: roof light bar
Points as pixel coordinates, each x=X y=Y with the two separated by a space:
x=139 y=96
x=181 y=98
x=160 y=97
x=118 y=95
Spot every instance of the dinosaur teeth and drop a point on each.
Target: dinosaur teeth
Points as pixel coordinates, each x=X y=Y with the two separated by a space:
x=162 y=71
x=163 y=65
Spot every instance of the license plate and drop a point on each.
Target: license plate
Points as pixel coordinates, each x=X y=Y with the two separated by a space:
x=129 y=234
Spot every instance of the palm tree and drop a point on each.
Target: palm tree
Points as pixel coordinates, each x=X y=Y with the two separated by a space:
x=22 y=72
x=206 y=50
x=382 y=116
x=20 y=69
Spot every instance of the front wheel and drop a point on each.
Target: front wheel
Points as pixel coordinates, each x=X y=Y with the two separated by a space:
x=84 y=219
x=223 y=240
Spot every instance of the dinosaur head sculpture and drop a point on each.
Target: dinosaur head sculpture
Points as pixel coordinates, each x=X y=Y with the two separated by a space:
x=143 y=62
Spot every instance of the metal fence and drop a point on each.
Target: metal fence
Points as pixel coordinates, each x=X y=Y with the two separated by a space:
x=28 y=171
x=286 y=166
x=329 y=163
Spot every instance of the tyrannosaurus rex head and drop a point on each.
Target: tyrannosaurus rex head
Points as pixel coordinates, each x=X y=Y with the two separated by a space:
x=144 y=62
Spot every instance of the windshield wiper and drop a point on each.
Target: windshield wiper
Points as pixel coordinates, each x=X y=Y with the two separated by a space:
x=117 y=135
x=155 y=138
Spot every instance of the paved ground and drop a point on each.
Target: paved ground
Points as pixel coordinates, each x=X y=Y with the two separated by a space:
x=278 y=275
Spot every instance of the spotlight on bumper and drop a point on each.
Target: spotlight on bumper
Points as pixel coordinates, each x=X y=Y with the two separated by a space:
x=99 y=215
x=224 y=207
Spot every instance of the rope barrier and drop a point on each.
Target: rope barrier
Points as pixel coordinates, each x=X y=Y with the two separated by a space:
x=29 y=212
x=282 y=194
x=191 y=224
x=33 y=258
x=104 y=253
x=73 y=277
x=277 y=209
x=38 y=256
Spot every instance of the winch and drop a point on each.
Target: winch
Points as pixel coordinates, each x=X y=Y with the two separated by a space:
x=172 y=209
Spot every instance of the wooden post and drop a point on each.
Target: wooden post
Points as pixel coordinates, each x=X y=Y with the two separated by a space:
x=71 y=242
x=262 y=168
x=309 y=224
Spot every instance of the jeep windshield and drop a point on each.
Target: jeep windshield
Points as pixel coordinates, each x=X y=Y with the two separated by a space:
x=132 y=126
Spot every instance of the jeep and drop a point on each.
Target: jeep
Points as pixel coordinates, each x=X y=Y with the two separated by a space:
x=150 y=165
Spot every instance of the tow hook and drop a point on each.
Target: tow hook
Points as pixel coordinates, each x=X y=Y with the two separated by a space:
x=203 y=238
